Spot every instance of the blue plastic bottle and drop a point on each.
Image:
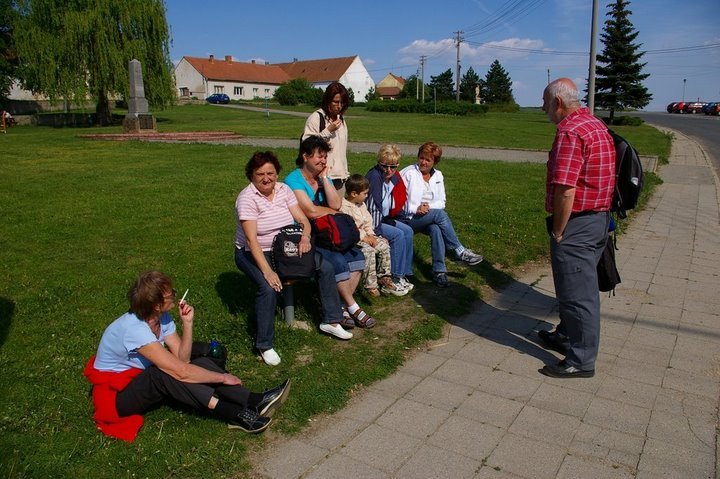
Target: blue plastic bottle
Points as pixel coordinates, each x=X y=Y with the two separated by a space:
x=215 y=349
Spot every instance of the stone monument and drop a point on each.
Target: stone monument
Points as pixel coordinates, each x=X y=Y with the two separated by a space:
x=138 y=119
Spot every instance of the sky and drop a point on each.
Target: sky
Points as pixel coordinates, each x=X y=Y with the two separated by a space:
x=532 y=39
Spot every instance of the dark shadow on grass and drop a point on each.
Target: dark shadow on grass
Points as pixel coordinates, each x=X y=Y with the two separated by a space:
x=7 y=310
x=237 y=293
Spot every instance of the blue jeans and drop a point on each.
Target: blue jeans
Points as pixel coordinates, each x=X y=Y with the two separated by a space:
x=574 y=267
x=343 y=263
x=266 y=297
x=437 y=225
x=400 y=237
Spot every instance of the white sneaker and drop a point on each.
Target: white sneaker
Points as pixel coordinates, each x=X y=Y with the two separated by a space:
x=469 y=257
x=335 y=330
x=270 y=357
x=406 y=284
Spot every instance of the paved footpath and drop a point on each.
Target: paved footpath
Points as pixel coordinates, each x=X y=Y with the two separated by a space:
x=474 y=406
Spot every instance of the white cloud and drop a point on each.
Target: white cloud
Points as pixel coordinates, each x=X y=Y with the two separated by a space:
x=445 y=50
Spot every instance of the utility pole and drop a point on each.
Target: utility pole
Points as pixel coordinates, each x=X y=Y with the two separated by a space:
x=417 y=84
x=422 y=69
x=458 y=40
x=591 y=69
x=548 y=76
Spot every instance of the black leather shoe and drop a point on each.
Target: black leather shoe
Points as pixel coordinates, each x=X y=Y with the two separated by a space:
x=273 y=399
x=563 y=370
x=552 y=340
x=249 y=421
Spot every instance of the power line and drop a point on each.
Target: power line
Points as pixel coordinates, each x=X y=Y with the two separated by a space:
x=511 y=12
x=570 y=53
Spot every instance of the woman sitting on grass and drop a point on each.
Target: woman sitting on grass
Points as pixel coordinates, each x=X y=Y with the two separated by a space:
x=133 y=371
x=425 y=211
x=317 y=197
x=262 y=209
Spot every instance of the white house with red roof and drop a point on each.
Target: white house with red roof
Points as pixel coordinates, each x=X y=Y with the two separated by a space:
x=201 y=77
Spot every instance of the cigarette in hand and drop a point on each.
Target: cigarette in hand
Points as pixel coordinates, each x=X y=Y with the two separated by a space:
x=182 y=300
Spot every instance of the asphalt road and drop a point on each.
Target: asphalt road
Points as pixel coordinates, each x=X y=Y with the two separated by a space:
x=701 y=128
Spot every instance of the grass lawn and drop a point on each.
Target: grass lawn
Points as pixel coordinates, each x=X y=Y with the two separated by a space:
x=82 y=218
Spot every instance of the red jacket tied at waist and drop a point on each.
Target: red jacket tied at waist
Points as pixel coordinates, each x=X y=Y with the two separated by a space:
x=106 y=385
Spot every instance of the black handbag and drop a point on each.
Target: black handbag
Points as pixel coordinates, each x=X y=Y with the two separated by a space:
x=285 y=254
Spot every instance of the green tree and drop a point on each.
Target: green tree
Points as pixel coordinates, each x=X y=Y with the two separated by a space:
x=444 y=86
x=79 y=49
x=618 y=82
x=371 y=95
x=410 y=89
x=298 y=90
x=468 y=82
x=497 y=87
x=8 y=59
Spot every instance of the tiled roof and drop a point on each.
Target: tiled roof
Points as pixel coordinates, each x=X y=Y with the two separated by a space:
x=388 y=91
x=316 y=71
x=224 y=70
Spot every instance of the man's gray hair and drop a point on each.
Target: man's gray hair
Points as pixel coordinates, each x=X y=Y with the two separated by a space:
x=566 y=91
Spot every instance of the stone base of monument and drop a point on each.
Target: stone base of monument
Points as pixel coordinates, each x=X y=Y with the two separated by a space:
x=139 y=123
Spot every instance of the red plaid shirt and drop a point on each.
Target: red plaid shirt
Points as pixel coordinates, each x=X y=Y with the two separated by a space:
x=582 y=157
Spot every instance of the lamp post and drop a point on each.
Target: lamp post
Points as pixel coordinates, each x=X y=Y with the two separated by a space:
x=684 y=81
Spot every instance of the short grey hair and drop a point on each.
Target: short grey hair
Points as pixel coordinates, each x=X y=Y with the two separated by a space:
x=566 y=91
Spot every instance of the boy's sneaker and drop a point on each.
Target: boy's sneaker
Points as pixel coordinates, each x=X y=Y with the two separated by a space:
x=442 y=280
x=335 y=330
x=405 y=283
x=372 y=292
x=389 y=286
x=469 y=257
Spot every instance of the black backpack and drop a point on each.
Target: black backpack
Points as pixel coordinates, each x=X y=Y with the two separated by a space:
x=628 y=176
x=607 y=273
x=286 y=259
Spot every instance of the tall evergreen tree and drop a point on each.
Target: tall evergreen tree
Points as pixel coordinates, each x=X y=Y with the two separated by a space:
x=497 y=87
x=443 y=85
x=618 y=82
x=8 y=59
x=468 y=82
x=74 y=49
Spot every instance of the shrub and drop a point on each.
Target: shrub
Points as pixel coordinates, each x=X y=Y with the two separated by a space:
x=510 y=107
x=625 y=120
x=413 y=106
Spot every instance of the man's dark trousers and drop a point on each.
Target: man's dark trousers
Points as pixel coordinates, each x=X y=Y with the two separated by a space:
x=574 y=266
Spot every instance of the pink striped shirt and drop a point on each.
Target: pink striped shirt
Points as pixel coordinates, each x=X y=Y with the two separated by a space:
x=269 y=215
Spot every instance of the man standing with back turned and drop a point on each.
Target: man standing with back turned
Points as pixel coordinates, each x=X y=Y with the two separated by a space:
x=579 y=187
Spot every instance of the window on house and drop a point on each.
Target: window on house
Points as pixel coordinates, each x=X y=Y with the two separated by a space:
x=184 y=91
x=267 y=92
x=239 y=91
x=219 y=89
x=255 y=92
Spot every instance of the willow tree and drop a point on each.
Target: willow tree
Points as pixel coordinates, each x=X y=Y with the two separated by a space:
x=79 y=49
